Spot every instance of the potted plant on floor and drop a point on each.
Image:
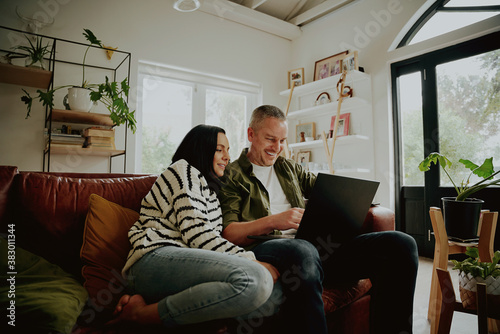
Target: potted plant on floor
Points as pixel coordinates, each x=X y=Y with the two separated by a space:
x=461 y=213
x=471 y=272
x=81 y=98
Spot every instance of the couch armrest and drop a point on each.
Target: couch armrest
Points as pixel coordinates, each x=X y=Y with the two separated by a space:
x=7 y=174
x=379 y=219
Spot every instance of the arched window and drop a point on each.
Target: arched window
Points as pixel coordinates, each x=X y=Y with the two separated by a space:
x=447 y=15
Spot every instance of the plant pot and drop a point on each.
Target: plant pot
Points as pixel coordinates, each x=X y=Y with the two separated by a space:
x=35 y=63
x=78 y=99
x=461 y=218
x=468 y=290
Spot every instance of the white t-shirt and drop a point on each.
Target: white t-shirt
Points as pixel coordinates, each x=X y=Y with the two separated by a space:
x=277 y=197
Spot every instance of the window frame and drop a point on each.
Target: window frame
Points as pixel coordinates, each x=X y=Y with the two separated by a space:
x=440 y=6
x=200 y=82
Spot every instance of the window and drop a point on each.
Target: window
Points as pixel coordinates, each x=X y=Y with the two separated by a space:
x=174 y=100
x=447 y=15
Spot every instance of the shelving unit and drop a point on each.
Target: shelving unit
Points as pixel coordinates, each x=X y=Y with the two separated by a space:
x=354 y=154
x=25 y=76
x=64 y=66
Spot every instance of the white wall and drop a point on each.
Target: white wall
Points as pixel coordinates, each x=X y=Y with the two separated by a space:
x=371 y=27
x=152 y=31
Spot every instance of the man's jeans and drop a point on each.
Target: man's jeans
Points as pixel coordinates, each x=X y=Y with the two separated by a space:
x=301 y=277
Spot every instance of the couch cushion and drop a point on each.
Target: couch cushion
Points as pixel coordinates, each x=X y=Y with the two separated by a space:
x=47 y=299
x=105 y=249
x=334 y=298
x=50 y=210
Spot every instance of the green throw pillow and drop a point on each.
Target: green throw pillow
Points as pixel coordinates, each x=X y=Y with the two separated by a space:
x=40 y=297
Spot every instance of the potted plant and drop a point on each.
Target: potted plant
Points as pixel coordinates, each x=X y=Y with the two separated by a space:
x=36 y=52
x=471 y=272
x=112 y=94
x=461 y=213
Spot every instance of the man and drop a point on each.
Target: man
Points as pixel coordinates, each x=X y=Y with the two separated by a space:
x=265 y=192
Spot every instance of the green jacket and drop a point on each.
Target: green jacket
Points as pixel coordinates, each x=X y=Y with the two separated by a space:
x=244 y=198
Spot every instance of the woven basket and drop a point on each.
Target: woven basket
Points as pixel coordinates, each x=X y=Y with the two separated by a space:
x=468 y=288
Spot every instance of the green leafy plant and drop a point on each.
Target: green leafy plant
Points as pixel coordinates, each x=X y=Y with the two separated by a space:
x=109 y=93
x=36 y=52
x=471 y=265
x=464 y=190
x=114 y=99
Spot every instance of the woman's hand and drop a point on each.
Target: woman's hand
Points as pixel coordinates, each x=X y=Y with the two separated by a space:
x=272 y=269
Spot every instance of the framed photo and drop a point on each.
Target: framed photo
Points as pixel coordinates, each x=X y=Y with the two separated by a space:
x=350 y=62
x=343 y=129
x=329 y=66
x=296 y=77
x=305 y=130
x=303 y=158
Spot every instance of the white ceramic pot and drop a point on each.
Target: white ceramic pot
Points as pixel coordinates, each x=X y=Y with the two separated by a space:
x=79 y=99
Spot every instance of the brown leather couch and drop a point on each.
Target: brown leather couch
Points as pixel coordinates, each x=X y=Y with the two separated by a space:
x=48 y=212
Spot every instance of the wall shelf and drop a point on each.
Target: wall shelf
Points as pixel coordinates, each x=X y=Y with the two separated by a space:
x=81 y=117
x=76 y=150
x=311 y=87
x=329 y=108
x=344 y=140
x=25 y=76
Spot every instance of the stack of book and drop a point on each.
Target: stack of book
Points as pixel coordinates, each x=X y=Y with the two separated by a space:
x=65 y=140
x=99 y=138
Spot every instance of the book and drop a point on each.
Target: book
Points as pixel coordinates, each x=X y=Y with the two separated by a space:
x=98 y=132
x=100 y=140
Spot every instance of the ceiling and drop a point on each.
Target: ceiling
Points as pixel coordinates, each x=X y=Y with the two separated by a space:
x=297 y=12
x=279 y=17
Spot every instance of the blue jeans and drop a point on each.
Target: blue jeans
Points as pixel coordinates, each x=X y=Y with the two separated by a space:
x=301 y=278
x=195 y=285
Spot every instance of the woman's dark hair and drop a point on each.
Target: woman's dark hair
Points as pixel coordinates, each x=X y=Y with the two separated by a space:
x=198 y=149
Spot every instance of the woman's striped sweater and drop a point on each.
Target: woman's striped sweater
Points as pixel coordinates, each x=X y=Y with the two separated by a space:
x=180 y=210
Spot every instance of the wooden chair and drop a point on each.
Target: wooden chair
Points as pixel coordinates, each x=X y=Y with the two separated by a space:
x=444 y=247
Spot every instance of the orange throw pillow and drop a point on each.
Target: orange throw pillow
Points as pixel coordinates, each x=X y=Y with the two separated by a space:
x=104 y=251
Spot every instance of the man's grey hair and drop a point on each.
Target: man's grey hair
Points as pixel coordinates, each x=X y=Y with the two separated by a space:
x=265 y=111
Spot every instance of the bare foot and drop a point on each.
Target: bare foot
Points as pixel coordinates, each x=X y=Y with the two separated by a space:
x=133 y=309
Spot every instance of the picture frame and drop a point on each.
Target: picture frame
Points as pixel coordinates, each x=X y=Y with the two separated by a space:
x=329 y=66
x=309 y=130
x=296 y=77
x=350 y=62
x=343 y=129
x=303 y=158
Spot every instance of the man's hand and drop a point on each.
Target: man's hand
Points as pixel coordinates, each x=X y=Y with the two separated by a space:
x=287 y=219
x=272 y=269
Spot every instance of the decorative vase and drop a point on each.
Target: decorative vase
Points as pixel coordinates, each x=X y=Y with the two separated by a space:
x=461 y=218
x=35 y=63
x=468 y=290
x=78 y=99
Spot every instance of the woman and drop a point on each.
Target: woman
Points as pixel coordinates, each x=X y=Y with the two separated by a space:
x=181 y=268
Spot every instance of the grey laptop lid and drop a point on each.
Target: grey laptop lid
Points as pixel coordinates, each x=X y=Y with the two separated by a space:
x=336 y=208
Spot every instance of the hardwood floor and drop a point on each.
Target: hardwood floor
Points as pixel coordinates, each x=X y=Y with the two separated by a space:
x=462 y=323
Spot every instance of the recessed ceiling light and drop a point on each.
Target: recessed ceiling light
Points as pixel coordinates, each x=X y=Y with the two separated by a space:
x=187 y=5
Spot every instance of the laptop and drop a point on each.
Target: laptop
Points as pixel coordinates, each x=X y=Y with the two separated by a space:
x=336 y=210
